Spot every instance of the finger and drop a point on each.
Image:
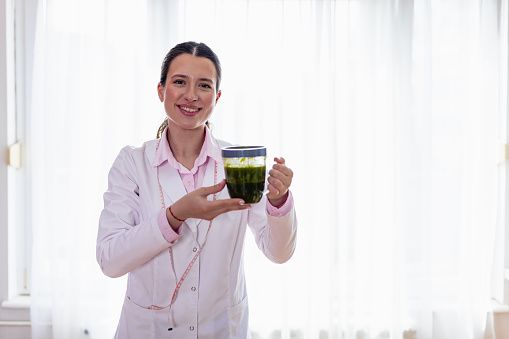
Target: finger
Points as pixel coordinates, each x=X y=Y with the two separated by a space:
x=226 y=203
x=233 y=208
x=278 y=186
x=207 y=210
x=280 y=175
x=277 y=175
x=204 y=191
x=283 y=169
x=273 y=191
x=279 y=160
x=223 y=207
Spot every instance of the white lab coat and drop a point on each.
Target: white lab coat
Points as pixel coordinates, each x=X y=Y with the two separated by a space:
x=212 y=301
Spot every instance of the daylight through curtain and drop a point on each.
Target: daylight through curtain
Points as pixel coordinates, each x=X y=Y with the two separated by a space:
x=385 y=110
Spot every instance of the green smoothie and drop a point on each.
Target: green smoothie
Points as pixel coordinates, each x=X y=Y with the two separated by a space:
x=246 y=183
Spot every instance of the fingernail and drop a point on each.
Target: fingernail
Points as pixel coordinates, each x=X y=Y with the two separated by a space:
x=242 y=202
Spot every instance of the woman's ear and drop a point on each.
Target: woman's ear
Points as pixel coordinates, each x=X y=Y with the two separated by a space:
x=160 y=91
x=218 y=96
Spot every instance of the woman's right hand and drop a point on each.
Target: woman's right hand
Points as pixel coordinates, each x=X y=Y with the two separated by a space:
x=196 y=205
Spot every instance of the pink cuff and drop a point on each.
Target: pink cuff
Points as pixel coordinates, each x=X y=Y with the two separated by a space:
x=283 y=210
x=164 y=226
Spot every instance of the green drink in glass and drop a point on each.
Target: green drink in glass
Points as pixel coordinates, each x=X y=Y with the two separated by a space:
x=244 y=168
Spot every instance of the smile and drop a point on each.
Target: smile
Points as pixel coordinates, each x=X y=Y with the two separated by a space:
x=190 y=110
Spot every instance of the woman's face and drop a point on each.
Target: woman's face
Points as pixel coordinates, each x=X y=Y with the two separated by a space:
x=189 y=95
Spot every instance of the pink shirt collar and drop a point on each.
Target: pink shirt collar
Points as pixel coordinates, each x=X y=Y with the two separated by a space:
x=210 y=148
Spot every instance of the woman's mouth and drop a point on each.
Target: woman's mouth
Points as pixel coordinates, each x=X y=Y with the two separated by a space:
x=189 y=111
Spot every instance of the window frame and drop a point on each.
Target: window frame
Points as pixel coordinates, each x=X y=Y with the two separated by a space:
x=6 y=86
x=15 y=249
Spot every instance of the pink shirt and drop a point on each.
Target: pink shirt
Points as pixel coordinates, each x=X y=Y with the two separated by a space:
x=193 y=179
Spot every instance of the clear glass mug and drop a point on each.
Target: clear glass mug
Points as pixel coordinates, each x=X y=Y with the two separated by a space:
x=244 y=168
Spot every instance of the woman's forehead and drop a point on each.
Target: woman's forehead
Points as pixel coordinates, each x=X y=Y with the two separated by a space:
x=192 y=66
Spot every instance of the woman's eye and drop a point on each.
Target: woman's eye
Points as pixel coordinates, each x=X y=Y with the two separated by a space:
x=205 y=86
x=179 y=82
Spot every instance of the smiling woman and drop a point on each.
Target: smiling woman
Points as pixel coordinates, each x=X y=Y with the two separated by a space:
x=152 y=245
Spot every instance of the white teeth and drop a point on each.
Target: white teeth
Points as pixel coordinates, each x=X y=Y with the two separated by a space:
x=190 y=110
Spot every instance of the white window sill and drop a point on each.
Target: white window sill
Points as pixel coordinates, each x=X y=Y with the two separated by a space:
x=499 y=308
x=15 y=313
x=18 y=302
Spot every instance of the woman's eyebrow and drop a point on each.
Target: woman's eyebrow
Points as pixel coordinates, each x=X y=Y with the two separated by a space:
x=179 y=76
x=187 y=77
x=206 y=80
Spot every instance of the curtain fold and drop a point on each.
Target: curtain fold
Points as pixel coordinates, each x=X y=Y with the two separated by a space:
x=387 y=111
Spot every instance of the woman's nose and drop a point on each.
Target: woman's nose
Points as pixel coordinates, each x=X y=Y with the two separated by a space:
x=190 y=94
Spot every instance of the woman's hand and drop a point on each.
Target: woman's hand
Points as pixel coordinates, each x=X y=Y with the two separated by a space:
x=196 y=205
x=280 y=179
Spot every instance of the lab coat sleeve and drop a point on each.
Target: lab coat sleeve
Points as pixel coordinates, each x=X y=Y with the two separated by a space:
x=275 y=235
x=124 y=241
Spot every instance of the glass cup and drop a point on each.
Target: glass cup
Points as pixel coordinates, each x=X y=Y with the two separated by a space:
x=244 y=168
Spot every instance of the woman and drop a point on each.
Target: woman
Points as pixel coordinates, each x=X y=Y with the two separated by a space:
x=170 y=225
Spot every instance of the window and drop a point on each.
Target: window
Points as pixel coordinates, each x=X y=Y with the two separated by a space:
x=16 y=40
x=15 y=207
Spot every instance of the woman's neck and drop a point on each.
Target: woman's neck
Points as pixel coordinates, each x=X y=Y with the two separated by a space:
x=185 y=145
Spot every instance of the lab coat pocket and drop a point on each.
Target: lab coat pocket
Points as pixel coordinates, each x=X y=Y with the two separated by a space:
x=238 y=319
x=135 y=321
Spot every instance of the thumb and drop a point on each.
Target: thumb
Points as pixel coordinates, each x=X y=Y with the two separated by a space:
x=213 y=189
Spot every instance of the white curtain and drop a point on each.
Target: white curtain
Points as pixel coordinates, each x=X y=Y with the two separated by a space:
x=387 y=111
x=499 y=291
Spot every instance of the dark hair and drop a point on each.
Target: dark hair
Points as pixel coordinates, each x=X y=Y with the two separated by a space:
x=195 y=49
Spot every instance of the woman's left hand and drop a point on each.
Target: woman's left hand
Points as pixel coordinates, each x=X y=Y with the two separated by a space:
x=280 y=179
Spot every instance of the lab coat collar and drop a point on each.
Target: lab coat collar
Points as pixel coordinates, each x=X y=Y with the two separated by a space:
x=210 y=149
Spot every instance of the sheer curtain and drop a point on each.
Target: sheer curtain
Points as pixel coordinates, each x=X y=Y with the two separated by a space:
x=387 y=111
x=93 y=93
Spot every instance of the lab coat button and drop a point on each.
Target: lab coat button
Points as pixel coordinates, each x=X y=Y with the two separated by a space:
x=193 y=288
x=191 y=328
x=195 y=249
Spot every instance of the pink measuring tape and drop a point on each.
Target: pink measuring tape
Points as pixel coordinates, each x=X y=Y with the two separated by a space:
x=179 y=284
